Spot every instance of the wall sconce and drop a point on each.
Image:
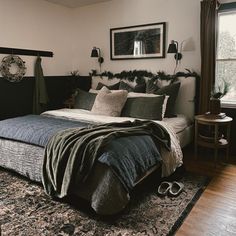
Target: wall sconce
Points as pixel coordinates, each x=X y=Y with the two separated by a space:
x=96 y=52
x=174 y=48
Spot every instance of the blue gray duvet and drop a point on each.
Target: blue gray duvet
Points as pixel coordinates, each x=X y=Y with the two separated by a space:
x=129 y=157
x=35 y=129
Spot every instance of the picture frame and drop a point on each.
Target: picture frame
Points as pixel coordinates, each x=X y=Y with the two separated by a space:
x=138 y=42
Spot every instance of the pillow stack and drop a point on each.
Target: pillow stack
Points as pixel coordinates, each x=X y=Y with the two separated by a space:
x=122 y=99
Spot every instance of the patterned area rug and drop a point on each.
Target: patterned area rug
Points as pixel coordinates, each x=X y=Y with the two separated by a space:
x=26 y=210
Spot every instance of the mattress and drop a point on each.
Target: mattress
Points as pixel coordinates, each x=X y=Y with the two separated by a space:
x=183 y=127
x=179 y=124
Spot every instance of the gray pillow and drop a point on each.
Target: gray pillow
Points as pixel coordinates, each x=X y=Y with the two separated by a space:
x=84 y=100
x=144 y=107
x=139 y=88
x=111 y=87
x=171 y=90
x=109 y=103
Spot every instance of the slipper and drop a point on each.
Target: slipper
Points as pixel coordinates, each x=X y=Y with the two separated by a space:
x=164 y=188
x=176 y=189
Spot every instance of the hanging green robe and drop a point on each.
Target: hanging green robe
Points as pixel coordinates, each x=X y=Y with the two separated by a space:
x=40 y=91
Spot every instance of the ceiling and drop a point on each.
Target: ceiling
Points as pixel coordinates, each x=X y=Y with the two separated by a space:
x=76 y=3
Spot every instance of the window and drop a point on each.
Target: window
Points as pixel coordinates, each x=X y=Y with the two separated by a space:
x=226 y=56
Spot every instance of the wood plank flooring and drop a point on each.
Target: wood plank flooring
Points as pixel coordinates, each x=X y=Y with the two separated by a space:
x=215 y=212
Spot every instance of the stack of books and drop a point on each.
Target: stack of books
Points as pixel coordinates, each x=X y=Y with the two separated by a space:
x=215 y=116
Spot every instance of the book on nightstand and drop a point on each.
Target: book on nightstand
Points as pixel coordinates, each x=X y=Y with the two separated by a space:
x=215 y=116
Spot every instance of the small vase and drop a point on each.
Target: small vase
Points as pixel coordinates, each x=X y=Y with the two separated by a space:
x=215 y=106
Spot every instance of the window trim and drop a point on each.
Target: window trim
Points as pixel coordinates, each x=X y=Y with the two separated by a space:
x=227 y=104
x=224 y=9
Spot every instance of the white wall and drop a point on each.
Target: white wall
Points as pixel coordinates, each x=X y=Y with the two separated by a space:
x=92 y=25
x=71 y=33
x=34 y=24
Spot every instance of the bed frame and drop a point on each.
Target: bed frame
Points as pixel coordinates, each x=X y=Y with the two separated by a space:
x=97 y=184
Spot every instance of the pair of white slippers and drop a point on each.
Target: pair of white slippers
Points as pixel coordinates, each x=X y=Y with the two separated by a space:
x=171 y=188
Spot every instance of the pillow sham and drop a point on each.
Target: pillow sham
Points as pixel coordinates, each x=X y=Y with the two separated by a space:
x=110 y=87
x=170 y=90
x=109 y=103
x=144 y=107
x=132 y=95
x=84 y=100
x=139 y=88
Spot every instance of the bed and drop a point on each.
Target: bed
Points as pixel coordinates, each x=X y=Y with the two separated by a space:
x=103 y=188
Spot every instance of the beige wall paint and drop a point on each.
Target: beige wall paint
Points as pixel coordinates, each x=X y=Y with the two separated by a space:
x=38 y=25
x=71 y=33
x=92 y=24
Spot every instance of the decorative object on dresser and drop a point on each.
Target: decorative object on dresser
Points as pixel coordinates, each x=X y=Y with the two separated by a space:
x=212 y=134
x=138 y=42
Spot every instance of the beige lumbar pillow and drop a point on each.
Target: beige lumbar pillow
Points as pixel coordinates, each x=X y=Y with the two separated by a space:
x=109 y=103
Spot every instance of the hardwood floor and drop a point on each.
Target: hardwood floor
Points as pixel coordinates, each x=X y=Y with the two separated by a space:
x=215 y=211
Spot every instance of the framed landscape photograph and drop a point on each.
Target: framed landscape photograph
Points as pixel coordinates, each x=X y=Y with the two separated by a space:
x=138 y=42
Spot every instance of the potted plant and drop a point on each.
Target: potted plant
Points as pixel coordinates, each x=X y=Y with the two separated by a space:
x=217 y=93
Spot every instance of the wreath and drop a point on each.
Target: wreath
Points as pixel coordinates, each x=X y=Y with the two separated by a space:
x=5 y=68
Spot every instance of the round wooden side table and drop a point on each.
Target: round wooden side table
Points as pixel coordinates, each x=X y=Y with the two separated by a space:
x=215 y=141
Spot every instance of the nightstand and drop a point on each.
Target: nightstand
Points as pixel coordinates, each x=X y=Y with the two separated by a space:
x=219 y=133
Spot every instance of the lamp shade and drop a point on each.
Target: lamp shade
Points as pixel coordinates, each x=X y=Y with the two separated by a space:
x=172 y=48
x=94 y=52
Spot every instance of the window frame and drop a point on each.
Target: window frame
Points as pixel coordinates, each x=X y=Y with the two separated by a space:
x=226 y=8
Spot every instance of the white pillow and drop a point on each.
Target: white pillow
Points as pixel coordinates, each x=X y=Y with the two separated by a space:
x=109 y=103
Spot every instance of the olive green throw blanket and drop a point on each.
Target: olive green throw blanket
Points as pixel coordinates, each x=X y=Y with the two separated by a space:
x=71 y=154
